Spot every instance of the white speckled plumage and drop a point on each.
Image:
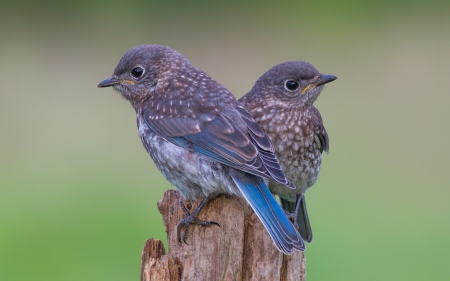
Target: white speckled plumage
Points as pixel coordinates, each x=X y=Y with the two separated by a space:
x=296 y=147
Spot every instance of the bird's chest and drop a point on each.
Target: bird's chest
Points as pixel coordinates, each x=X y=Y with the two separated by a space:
x=296 y=147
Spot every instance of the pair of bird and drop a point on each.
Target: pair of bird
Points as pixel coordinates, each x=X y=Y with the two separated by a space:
x=206 y=143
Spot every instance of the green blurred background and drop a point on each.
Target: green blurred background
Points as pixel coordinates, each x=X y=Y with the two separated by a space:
x=78 y=192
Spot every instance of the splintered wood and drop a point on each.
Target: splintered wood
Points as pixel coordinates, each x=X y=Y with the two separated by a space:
x=240 y=249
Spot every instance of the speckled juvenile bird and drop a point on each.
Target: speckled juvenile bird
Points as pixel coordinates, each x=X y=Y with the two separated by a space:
x=202 y=141
x=281 y=101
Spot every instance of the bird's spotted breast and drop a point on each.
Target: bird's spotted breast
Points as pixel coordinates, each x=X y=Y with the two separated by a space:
x=295 y=142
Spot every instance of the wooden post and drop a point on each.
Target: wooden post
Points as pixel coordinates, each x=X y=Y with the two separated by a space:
x=240 y=249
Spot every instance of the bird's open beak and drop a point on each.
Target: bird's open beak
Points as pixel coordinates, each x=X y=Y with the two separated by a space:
x=323 y=79
x=111 y=81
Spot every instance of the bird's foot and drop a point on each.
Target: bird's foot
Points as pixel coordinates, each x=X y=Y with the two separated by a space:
x=192 y=219
x=292 y=217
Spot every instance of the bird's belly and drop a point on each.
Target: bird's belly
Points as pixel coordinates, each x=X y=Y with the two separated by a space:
x=194 y=175
x=302 y=172
x=301 y=165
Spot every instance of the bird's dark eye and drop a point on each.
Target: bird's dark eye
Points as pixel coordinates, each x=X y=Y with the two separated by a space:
x=291 y=85
x=137 y=72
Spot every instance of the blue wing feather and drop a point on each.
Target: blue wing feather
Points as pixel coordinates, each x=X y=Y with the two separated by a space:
x=281 y=230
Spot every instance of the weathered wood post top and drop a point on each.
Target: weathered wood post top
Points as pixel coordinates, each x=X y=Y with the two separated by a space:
x=240 y=249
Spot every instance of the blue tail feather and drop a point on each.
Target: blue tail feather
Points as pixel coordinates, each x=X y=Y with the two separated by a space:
x=274 y=219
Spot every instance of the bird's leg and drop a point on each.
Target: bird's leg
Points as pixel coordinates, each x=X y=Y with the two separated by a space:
x=192 y=219
x=293 y=216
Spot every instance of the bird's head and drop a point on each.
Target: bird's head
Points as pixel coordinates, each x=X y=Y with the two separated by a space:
x=138 y=73
x=297 y=83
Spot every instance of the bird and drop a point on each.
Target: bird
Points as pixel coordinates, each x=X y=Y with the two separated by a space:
x=200 y=139
x=281 y=102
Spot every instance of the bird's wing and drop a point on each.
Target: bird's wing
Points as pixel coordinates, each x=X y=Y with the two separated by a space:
x=243 y=146
x=264 y=146
x=320 y=131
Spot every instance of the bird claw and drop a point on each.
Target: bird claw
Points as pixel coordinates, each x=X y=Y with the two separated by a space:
x=191 y=219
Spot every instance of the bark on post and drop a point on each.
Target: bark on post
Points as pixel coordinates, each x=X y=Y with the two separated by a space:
x=240 y=249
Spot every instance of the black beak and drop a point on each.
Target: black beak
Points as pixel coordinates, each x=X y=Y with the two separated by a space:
x=325 y=78
x=108 y=82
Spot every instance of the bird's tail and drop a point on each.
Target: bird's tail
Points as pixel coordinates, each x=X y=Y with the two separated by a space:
x=281 y=230
x=304 y=226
